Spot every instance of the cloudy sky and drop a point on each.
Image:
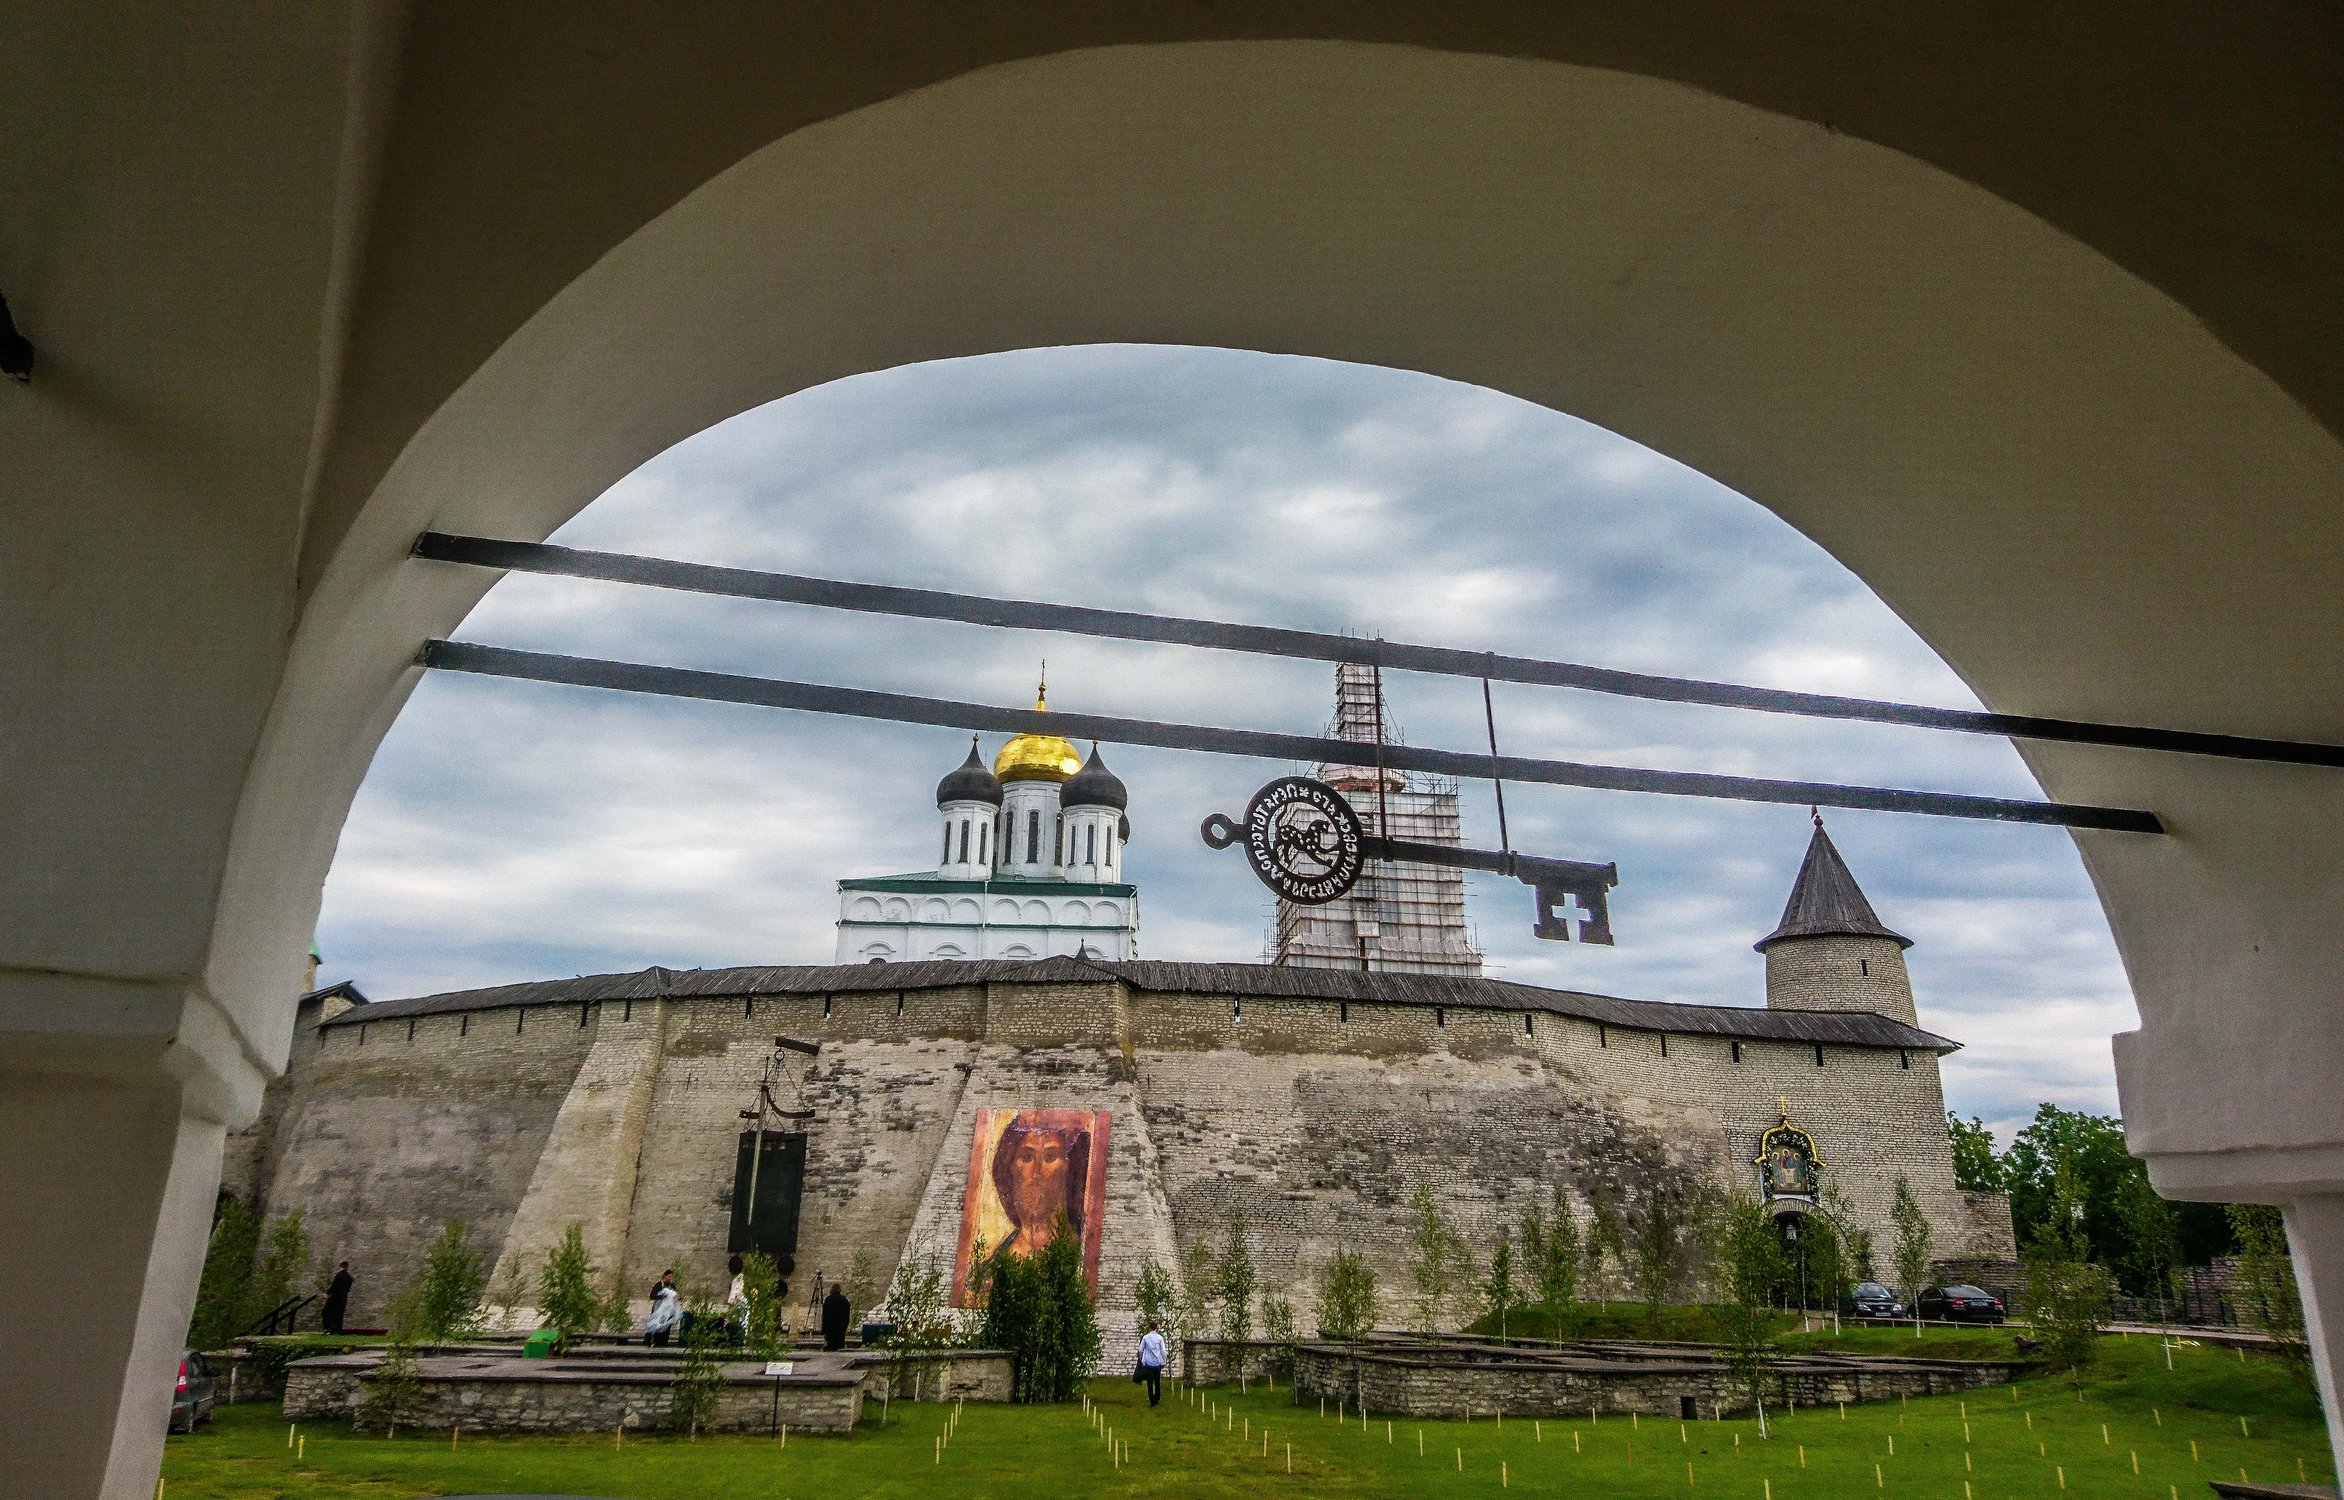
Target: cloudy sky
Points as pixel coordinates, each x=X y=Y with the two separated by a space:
x=511 y=831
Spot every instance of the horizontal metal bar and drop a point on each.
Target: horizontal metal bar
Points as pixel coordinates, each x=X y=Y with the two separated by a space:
x=1525 y=867
x=1311 y=645
x=902 y=708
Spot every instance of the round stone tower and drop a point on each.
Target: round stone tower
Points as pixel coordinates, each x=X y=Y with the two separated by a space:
x=1830 y=952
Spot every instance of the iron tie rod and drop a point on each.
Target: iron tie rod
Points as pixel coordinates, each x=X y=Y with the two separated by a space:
x=1311 y=645
x=904 y=708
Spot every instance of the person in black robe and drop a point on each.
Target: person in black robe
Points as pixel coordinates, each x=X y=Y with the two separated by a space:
x=834 y=1317
x=337 y=1305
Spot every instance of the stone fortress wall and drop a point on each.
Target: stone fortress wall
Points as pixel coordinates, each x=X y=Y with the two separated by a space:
x=613 y=1103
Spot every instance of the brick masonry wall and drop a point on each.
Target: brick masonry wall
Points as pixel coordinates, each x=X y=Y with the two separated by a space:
x=1314 y=1119
x=1840 y=973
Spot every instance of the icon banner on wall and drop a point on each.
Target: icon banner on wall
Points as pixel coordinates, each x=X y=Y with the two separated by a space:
x=1026 y=1167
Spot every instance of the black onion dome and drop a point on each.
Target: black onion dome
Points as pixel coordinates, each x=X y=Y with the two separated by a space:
x=972 y=782
x=1094 y=786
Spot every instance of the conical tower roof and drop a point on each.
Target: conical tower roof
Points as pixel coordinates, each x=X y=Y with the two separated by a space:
x=1826 y=901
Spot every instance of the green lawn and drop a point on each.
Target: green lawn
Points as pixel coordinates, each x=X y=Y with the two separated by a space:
x=1995 y=1445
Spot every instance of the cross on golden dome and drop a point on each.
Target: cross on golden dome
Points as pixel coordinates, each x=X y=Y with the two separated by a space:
x=1037 y=757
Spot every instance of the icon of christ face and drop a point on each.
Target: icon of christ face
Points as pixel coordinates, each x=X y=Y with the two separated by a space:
x=1039 y=1172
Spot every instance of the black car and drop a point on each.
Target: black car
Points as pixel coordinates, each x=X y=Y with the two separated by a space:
x=1872 y=1300
x=1960 y=1304
x=192 y=1399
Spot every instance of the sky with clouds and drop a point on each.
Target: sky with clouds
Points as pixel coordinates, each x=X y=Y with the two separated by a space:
x=513 y=831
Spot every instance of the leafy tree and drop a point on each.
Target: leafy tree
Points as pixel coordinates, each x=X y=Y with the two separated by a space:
x=1346 y=1297
x=1664 y=1222
x=566 y=1299
x=761 y=1285
x=1235 y=1291
x=862 y=1280
x=1500 y=1293
x=698 y=1386
x=2266 y=1279
x=1855 y=1241
x=1431 y=1258
x=395 y=1391
x=1824 y=1262
x=2151 y=1239
x=1557 y=1266
x=2067 y=1296
x=618 y=1312
x=1976 y=1167
x=1912 y=1244
x=1278 y=1331
x=284 y=1271
x=1200 y=1279
x=2092 y=1146
x=1235 y=1284
x=919 y=1305
x=509 y=1290
x=220 y=1297
x=448 y=1292
x=1039 y=1309
x=1533 y=1245
x=1606 y=1241
x=1159 y=1299
x=1750 y=1267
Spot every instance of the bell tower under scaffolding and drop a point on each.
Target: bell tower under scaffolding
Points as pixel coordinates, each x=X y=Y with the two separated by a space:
x=1399 y=918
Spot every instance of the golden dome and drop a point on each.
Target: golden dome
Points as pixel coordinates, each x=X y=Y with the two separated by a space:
x=1037 y=757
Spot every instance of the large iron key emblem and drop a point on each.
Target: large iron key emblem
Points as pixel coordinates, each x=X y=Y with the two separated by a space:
x=1305 y=842
x=1302 y=839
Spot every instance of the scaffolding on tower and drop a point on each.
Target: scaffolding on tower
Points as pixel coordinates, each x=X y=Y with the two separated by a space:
x=1399 y=918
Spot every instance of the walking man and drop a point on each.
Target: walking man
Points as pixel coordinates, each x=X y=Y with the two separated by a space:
x=1151 y=1362
x=337 y=1308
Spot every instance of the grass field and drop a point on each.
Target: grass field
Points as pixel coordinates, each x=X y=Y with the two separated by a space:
x=2045 y=1442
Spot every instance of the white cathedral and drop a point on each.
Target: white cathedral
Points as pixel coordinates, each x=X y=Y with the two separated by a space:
x=1030 y=866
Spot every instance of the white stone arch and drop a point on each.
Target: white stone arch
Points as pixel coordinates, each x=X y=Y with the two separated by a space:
x=1075 y=913
x=1018 y=950
x=1034 y=911
x=966 y=909
x=1108 y=913
x=935 y=909
x=864 y=909
x=898 y=909
x=1004 y=910
x=2008 y=436
x=878 y=952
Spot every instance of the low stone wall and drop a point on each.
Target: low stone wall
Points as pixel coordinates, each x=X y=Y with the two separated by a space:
x=598 y=1390
x=1204 y=1360
x=1444 y=1378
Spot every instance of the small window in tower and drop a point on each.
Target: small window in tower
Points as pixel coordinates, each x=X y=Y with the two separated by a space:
x=1737 y=1051
x=362 y=1033
x=1090 y=845
x=1818 y=1054
x=1602 y=1036
x=825 y=1007
x=520 y=1019
x=464 y=1024
x=1664 y=1044
x=411 y=1028
x=1343 y=1011
x=581 y=1017
x=983 y=848
x=1237 y=1008
x=1864 y=967
x=1034 y=835
x=964 y=841
x=899 y=1003
x=1526 y=1031
x=1904 y=1059
x=1440 y=1016
x=946 y=856
x=749 y=1008
x=627 y=1011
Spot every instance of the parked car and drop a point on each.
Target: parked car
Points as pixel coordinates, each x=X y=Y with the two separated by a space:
x=1872 y=1300
x=1961 y=1304
x=197 y=1392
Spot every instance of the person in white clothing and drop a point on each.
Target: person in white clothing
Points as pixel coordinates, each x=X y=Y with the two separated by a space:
x=667 y=1309
x=1152 y=1355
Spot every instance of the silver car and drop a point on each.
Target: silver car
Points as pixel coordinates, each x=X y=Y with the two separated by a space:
x=197 y=1392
